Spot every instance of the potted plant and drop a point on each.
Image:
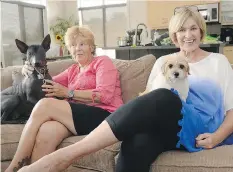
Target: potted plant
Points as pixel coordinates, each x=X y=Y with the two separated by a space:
x=58 y=31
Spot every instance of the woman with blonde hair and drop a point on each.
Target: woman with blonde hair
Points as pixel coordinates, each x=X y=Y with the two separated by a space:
x=152 y=123
x=91 y=89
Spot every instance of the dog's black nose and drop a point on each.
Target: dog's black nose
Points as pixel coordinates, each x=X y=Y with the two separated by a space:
x=40 y=64
x=37 y=64
x=176 y=74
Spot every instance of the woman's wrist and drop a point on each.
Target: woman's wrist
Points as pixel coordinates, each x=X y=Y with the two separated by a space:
x=218 y=137
x=70 y=94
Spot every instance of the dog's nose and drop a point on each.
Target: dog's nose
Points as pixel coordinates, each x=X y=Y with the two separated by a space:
x=40 y=64
x=37 y=64
x=176 y=74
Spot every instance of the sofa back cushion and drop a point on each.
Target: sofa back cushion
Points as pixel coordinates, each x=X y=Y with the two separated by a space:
x=133 y=74
x=10 y=72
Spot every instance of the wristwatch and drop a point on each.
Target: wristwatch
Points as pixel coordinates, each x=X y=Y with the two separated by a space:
x=71 y=94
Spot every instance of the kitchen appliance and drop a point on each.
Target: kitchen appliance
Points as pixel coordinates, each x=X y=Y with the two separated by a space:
x=122 y=41
x=131 y=36
x=210 y=12
x=227 y=35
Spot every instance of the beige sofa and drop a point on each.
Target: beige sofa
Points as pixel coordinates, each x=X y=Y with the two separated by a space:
x=134 y=75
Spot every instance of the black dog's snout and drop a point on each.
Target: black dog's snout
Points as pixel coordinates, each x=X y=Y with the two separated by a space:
x=176 y=74
x=40 y=64
x=37 y=64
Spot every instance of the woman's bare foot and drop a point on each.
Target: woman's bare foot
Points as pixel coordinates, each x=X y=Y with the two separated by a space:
x=54 y=162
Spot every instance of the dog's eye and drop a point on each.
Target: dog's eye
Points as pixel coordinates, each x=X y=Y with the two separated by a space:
x=170 y=66
x=182 y=66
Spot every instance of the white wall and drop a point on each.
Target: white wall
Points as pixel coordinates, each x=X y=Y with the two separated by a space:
x=137 y=12
x=63 y=9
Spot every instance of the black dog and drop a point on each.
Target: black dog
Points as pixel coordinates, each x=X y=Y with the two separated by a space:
x=18 y=100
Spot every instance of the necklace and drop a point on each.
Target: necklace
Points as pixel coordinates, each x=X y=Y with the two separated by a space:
x=40 y=75
x=186 y=56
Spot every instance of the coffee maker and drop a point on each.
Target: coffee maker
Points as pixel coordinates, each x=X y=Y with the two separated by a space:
x=227 y=35
x=131 y=34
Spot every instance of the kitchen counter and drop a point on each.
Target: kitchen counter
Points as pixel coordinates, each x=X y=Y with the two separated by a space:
x=132 y=53
x=157 y=47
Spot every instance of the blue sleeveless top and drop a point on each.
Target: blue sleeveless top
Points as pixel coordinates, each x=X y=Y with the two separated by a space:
x=203 y=112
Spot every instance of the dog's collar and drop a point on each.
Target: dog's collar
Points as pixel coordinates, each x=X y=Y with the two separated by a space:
x=42 y=70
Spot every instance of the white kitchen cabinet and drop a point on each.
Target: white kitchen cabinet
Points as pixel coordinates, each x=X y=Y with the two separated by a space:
x=226 y=12
x=228 y=52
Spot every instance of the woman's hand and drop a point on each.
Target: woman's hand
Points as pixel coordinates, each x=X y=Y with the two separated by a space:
x=207 y=140
x=27 y=69
x=54 y=89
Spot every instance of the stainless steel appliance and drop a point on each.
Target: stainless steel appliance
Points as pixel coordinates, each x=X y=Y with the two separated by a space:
x=210 y=12
x=131 y=36
x=122 y=41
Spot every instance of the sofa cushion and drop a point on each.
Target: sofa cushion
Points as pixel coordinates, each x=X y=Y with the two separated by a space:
x=134 y=75
x=219 y=159
x=10 y=135
x=5 y=164
x=102 y=160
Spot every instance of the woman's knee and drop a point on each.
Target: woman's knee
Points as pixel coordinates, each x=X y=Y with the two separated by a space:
x=51 y=133
x=43 y=107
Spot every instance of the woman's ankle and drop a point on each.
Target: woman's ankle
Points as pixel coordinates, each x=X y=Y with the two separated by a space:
x=15 y=166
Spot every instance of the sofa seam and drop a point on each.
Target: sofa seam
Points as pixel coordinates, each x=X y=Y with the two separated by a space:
x=85 y=167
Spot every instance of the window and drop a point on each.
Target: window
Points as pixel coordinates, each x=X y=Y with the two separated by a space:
x=23 y=21
x=40 y=2
x=106 y=18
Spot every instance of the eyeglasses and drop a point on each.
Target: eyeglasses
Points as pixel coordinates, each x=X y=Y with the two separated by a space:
x=191 y=8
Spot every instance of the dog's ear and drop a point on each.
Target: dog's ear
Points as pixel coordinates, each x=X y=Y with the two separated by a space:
x=46 y=43
x=21 y=46
x=163 y=68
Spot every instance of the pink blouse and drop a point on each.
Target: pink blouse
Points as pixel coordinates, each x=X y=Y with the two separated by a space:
x=100 y=76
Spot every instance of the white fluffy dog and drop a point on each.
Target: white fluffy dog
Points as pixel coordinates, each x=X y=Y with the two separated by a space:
x=174 y=74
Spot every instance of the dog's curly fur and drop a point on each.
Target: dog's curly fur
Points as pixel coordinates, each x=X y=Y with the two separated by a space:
x=174 y=75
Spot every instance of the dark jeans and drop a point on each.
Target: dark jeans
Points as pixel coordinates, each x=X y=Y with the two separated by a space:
x=148 y=126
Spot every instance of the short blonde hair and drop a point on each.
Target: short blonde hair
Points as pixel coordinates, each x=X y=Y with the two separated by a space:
x=179 y=19
x=74 y=33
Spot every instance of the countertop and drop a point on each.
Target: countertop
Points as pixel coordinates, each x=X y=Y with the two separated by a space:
x=158 y=47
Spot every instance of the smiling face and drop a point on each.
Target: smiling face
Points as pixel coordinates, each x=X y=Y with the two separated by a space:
x=187 y=28
x=189 y=36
